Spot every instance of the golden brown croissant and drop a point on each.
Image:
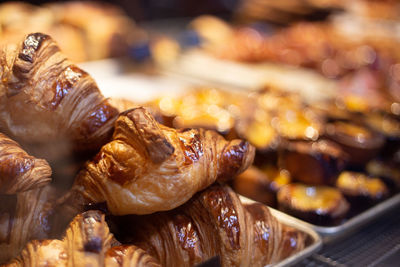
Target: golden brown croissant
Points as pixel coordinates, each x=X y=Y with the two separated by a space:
x=149 y=167
x=87 y=242
x=24 y=217
x=214 y=222
x=47 y=104
x=18 y=170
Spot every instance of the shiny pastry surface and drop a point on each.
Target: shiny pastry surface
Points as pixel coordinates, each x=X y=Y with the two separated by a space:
x=358 y=184
x=149 y=167
x=215 y=222
x=315 y=163
x=359 y=142
x=317 y=204
x=261 y=184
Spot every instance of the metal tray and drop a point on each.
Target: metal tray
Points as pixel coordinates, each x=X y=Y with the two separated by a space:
x=332 y=233
x=315 y=245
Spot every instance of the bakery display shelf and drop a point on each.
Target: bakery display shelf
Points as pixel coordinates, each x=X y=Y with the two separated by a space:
x=332 y=233
x=377 y=244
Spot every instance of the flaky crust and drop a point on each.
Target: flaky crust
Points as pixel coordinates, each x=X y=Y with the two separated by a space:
x=149 y=167
x=24 y=217
x=214 y=222
x=18 y=170
x=49 y=105
x=87 y=242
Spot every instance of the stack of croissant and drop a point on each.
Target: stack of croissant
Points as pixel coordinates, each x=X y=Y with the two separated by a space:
x=162 y=189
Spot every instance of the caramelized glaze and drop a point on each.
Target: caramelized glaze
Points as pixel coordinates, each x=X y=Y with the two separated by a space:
x=64 y=84
x=188 y=237
x=223 y=210
x=30 y=45
x=191 y=146
x=317 y=204
x=262 y=233
x=359 y=184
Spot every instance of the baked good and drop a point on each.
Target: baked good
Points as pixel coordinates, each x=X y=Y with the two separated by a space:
x=148 y=167
x=321 y=205
x=360 y=143
x=87 y=242
x=261 y=184
x=51 y=118
x=24 y=217
x=214 y=222
x=315 y=163
x=360 y=190
x=19 y=171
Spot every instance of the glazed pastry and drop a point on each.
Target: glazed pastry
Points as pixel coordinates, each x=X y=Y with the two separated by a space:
x=214 y=222
x=389 y=127
x=55 y=116
x=258 y=130
x=315 y=163
x=149 y=167
x=200 y=108
x=261 y=184
x=294 y=123
x=18 y=170
x=87 y=242
x=387 y=171
x=360 y=190
x=24 y=217
x=321 y=205
x=360 y=143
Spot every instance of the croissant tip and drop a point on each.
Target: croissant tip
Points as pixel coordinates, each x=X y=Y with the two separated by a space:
x=31 y=44
x=238 y=156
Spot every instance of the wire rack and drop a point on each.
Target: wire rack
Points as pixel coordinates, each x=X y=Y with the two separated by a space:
x=377 y=244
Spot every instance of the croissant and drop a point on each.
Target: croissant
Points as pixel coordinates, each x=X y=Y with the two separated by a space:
x=149 y=167
x=20 y=171
x=87 y=242
x=23 y=217
x=47 y=104
x=214 y=222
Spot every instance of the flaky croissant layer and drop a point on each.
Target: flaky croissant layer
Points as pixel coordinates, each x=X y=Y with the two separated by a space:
x=24 y=217
x=87 y=242
x=19 y=171
x=213 y=223
x=149 y=167
x=49 y=105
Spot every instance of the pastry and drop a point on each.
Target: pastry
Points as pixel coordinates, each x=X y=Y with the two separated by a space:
x=360 y=190
x=87 y=242
x=55 y=117
x=317 y=163
x=320 y=205
x=24 y=217
x=19 y=171
x=214 y=222
x=148 y=167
